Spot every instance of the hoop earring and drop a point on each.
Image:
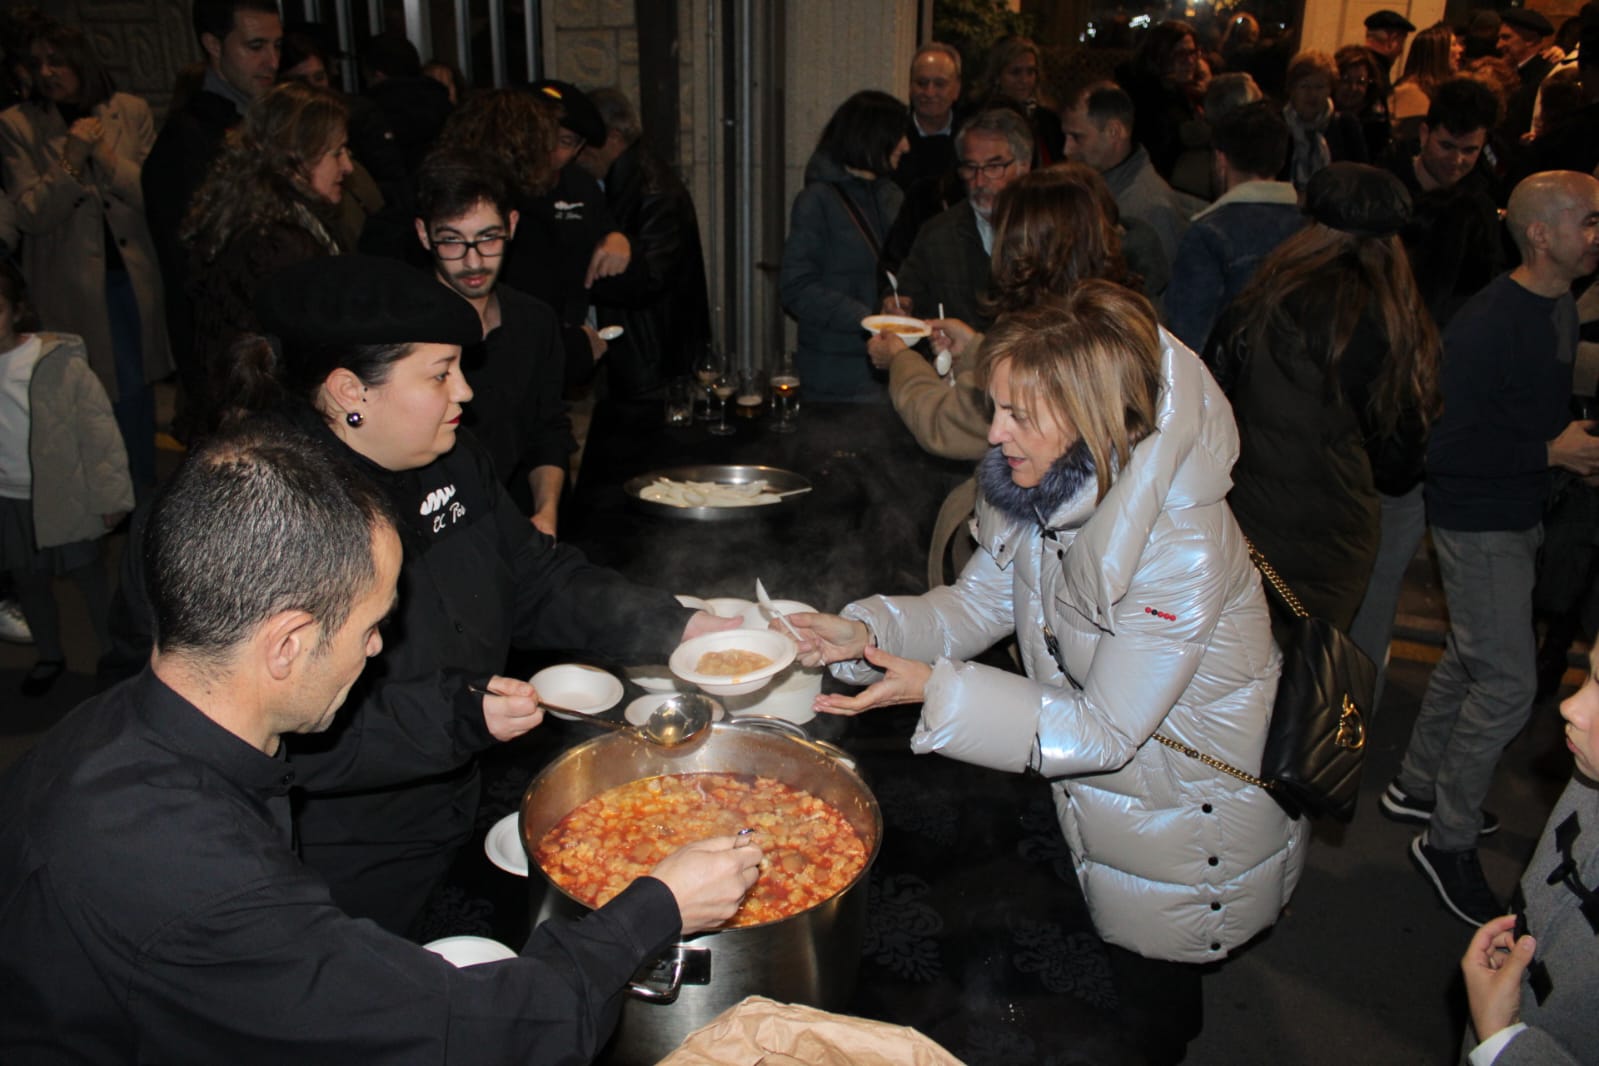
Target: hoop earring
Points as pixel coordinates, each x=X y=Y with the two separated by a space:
x=354 y=419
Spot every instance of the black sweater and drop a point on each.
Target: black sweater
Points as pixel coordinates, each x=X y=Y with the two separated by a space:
x=1507 y=392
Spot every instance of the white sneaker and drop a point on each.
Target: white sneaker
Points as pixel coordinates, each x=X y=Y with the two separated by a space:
x=13 y=627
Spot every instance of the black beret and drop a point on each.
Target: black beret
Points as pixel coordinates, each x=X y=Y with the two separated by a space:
x=578 y=112
x=1389 y=20
x=362 y=299
x=1358 y=199
x=1531 y=21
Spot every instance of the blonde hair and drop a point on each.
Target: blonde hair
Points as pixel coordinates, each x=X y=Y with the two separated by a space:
x=1091 y=357
x=260 y=177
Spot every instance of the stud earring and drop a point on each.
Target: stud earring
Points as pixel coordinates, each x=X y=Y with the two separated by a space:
x=354 y=419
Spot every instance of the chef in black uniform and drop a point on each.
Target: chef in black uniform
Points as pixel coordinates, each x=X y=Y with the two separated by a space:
x=151 y=906
x=476 y=580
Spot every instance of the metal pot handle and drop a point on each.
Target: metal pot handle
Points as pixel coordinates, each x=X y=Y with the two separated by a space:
x=768 y=723
x=662 y=978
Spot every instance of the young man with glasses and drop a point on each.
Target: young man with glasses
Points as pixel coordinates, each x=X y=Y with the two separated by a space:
x=466 y=222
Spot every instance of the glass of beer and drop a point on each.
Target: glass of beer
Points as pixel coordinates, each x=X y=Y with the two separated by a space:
x=785 y=395
x=751 y=398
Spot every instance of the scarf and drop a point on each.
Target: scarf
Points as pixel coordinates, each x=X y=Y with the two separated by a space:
x=1310 y=142
x=1063 y=480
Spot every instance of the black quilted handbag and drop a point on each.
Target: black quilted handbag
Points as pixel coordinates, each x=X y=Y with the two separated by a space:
x=1315 y=745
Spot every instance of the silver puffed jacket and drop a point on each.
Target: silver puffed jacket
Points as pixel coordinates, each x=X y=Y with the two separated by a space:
x=1161 y=626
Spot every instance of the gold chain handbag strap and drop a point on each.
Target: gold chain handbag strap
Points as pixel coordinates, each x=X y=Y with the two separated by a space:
x=1287 y=594
x=1277 y=584
x=1351 y=728
x=1215 y=763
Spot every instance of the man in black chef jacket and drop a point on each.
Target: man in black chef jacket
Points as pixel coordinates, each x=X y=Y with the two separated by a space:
x=151 y=906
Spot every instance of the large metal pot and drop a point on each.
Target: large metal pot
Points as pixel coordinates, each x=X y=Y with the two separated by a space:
x=809 y=958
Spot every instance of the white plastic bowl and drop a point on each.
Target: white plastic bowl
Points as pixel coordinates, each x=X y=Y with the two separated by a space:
x=584 y=689
x=910 y=330
x=733 y=607
x=775 y=646
x=462 y=951
x=655 y=679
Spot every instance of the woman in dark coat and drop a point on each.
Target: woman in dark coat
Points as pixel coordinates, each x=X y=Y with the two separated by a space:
x=830 y=271
x=1331 y=363
x=1015 y=74
x=269 y=201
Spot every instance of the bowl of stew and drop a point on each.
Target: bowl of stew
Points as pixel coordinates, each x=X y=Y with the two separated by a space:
x=733 y=661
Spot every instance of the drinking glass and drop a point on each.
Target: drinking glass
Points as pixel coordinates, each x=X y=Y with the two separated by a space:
x=723 y=389
x=680 y=402
x=785 y=395
x=750 y=400
x=708 y=364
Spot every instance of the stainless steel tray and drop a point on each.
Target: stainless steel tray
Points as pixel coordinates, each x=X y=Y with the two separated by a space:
x=776 y=478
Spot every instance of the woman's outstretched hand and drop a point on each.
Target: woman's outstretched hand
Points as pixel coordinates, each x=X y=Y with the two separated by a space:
x=904 y=681
x=827 y=638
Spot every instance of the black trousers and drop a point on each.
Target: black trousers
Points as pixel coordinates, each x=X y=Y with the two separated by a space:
x=1162 y=1007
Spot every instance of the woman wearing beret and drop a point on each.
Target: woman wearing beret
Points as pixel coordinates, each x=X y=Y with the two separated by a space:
x=370 y=363
x=1331 y=363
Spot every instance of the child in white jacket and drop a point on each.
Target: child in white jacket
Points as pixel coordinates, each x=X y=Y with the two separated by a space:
x=63 y=477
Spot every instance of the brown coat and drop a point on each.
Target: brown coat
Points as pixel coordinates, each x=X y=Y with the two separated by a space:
x=63 y=235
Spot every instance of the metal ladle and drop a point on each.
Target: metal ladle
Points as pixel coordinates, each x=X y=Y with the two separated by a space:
x=676 y=720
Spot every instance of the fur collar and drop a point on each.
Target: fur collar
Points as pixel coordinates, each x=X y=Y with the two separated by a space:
x=1064 y=480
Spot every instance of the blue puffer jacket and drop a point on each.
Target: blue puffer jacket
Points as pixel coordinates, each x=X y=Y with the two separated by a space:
x=1161 y=626
x=829 y=279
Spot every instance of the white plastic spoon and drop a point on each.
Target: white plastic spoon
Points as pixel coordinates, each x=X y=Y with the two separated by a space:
x=942 y=359
x=766 y=605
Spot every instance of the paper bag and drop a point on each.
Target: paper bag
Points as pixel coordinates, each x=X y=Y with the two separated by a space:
x=765 y=1032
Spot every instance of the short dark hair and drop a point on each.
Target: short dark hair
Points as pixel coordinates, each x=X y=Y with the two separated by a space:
x=259 y=519
x=1105 y=100
x=618 y=113
x=864 y=131
x=217 y=17
x=298 y=46
x=14 y=290
x=392 y=55
x=452 y=180
x=1254 y=138
x=72 y=45
x=1463 y=105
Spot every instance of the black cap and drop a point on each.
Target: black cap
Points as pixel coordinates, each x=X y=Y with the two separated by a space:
x=1389 y=20
x=361 y=299
x=1531 y=21
x=578 y=112
x=1358 y=199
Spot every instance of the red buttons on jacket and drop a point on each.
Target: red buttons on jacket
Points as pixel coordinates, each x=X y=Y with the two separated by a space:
x=1160 y=614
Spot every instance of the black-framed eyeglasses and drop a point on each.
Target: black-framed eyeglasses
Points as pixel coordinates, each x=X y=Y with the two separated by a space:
x=968 y=171
x=452 y=248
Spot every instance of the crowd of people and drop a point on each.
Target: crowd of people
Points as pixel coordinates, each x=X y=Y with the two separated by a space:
x=263 y=162
x=1231 y=298
x=1377 y=265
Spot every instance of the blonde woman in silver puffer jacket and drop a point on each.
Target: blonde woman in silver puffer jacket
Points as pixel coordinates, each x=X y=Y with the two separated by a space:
x=1106 y=544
